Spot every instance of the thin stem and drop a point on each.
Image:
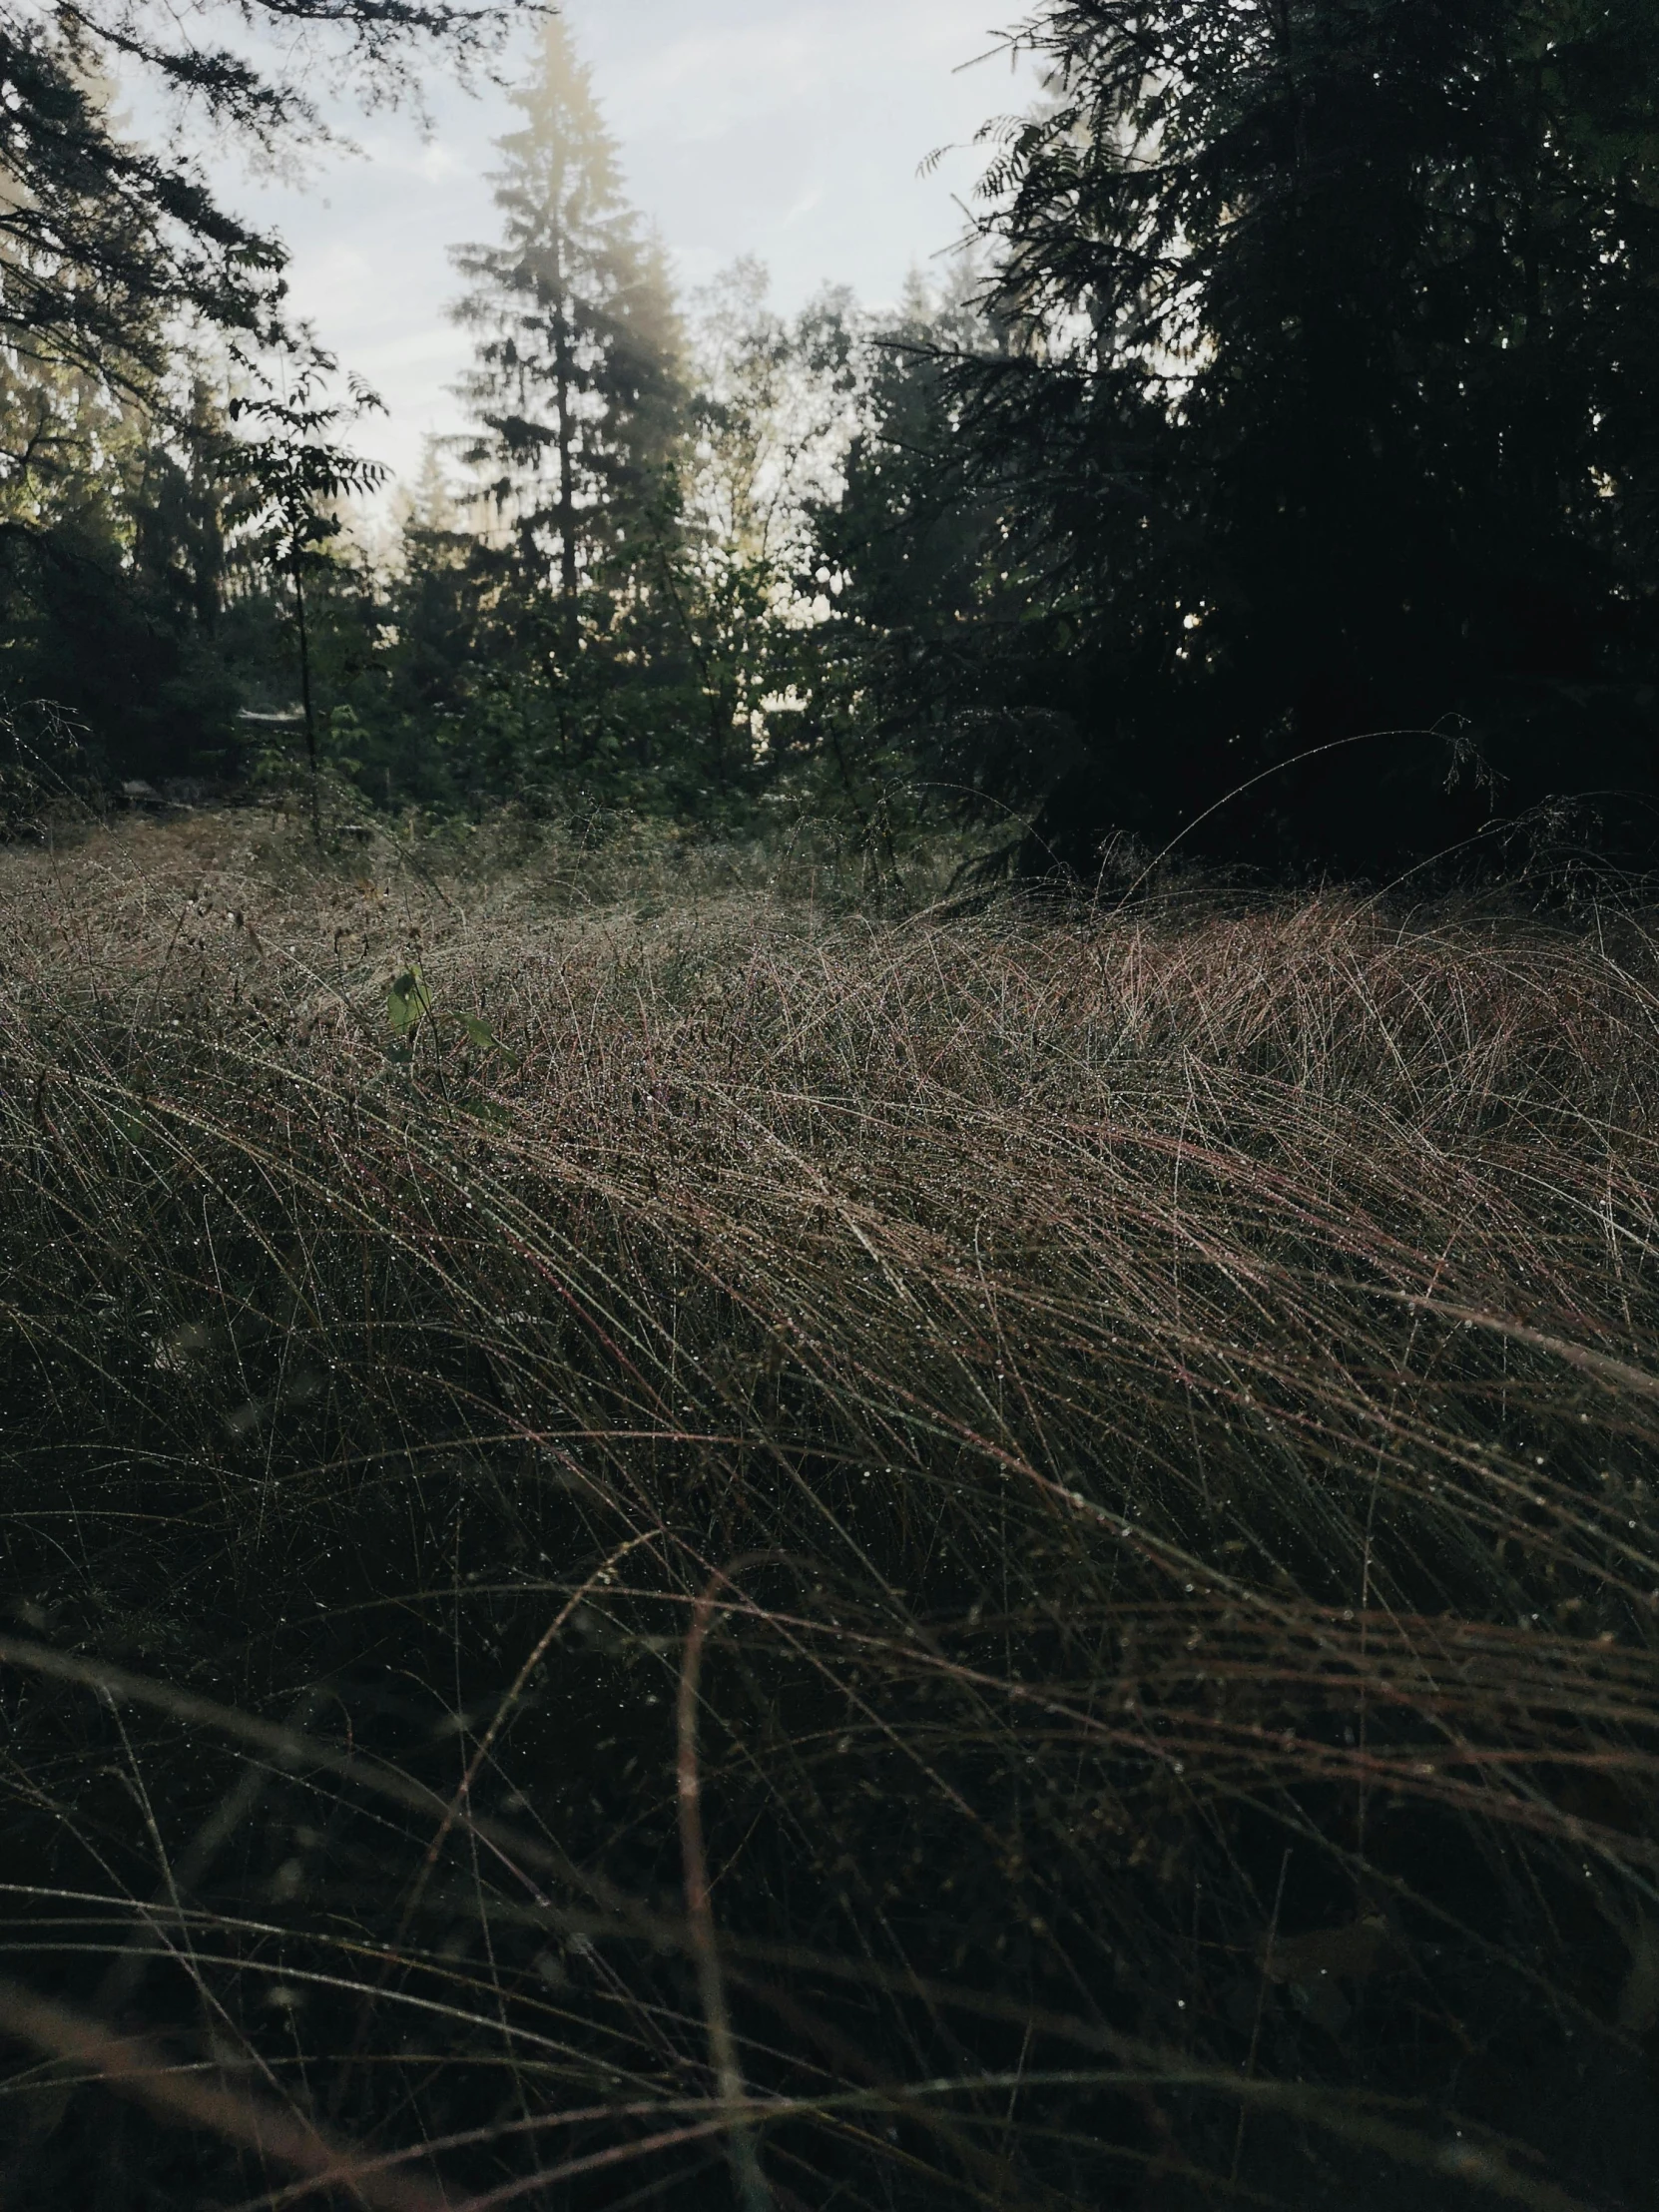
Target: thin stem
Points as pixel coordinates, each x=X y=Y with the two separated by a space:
x=305 y=691
x=753 y=2192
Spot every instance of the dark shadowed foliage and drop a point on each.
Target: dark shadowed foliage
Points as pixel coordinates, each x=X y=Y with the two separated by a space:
x=1317 y=434
x=115 y=254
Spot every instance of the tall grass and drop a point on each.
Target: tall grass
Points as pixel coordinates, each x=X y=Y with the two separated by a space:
x=670 y=1543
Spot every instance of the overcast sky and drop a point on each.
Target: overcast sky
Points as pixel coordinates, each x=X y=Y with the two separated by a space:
x=787 y=129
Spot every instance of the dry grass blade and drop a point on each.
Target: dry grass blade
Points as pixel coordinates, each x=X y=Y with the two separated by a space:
x=700 y=1921
x=1181 y=1385
x=136 y=2067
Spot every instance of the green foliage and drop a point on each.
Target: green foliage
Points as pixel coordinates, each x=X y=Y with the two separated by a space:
x=112 y=519
x=408 y=1003
x=575 y=386
x=572 y=505
x=117 y=482
x=775 y=407
x=1320 y=406
x=105 y=243
x=100 y=241
x=1276 y=485
x=901 y=665
x=296 y=477
x=606 y=611
x=293 y=473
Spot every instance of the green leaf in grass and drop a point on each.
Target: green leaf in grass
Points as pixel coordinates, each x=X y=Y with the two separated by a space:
x=408 y=1002
x=484 y=1039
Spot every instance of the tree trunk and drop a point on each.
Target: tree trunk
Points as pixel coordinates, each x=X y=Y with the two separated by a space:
x=306 y=694
x=563 y=379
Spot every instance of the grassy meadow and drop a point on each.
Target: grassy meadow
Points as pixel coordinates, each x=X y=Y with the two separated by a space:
x=679 y=1536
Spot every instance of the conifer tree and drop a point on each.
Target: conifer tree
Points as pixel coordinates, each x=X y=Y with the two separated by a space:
x=114 y=475
x=1319 y=458
x=103 y=240
x=113 y=521
x=576 y=388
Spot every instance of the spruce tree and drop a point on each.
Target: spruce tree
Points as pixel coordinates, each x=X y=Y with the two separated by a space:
x=575 y=390
x=103 y=241
x=1320 y=450
x=112 y=483
x=113 y=523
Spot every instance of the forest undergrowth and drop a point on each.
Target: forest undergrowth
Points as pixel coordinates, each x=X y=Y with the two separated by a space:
x=673 y=1539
